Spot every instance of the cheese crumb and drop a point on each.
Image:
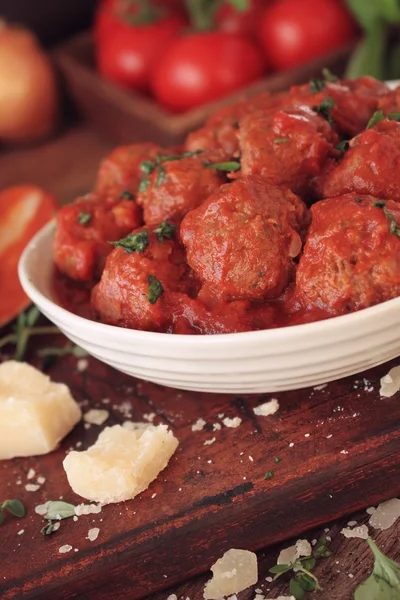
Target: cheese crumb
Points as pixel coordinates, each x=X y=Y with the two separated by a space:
x=82 y=364
x=31 y=474
x=41 y=480
x=216 y=426
x=235 y=422
x=87 y=509
x=390 y=383
x=35 y=413
x=41 y=509
x=20 y=532
x=370 y=510
x=358 y=532
x=386 y=514
x=209 y=442
x=266 y=409
x=121 y=463
x=96 y=416
x=65 y=548
x=32 y=487
x=172 y=597
x=93 y=534
x=234 y=572
x=199 y=425
x=292 y=553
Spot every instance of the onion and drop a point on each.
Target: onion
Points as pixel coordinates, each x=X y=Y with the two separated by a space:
x=28 y=91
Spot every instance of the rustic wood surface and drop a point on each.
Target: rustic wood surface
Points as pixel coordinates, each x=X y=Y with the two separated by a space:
x=201 y=508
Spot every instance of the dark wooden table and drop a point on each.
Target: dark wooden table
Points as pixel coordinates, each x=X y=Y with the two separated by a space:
x=66 y=166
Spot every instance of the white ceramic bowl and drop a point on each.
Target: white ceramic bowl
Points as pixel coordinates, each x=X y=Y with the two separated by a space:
x=253 y=362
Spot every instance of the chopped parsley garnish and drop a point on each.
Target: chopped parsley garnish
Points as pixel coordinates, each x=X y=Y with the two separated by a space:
x=379 y=204
x=316 y=85
x=324 y=109
x=343 y=146
x=125 y=195
x=358 y=199
x=269 y=475
x=148 y=166
x=281 y=140
x=84 y=218
x=232 y=165
x=165 y=231
x=278 y=459
x=134 y=242
x=329 y=76
x=376 y=118
x=14 y=507
x=394 y=227
x=235 y=124
x=155 y=289
x=394 y=116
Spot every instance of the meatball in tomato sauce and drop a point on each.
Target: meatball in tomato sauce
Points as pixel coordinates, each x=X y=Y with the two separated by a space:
x=84 y=230
x=121 y=170
x=140 y=275
x=351 y=257
x=287 y=147
x=175 y=184
x=241 y=242
x=370 y=166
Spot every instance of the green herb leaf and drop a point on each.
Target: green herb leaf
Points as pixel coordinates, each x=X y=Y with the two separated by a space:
x=295 y=589
x=165 y=231
x=325 y=108
x=15 y=507
x=308 y=562
x=228 y=166
x=147 y=166
x=144 y=184
x=384 y=582
x=316 y=85
x=126 y=195
x=134 y=242
x=343 y=146
x=329 y=76
x=394 y=116
x=59 y=351
x=32 y=315
x=59 y=510
x=394 y=227
x=269 y=475
x=376 y=118
x=379 y=204
x=84 y=218
x=277 y=459
x=155 y=289
x=1 y=517
x=281 y=140
x=161 y=175
x=49 y=528
x=279 y=569
x=358 y=199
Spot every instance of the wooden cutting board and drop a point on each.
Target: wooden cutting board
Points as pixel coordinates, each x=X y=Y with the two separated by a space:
x=339 y=448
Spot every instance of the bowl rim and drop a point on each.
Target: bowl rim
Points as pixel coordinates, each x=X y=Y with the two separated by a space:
x=280 y=334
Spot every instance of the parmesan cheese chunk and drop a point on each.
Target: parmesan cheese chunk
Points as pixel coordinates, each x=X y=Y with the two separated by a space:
x=121 y=464
x=35 y=413
x=386 y=514
x=235 y=571
x=390 y=383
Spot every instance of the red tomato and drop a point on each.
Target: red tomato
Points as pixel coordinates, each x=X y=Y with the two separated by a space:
x=294 y=32
x=128 y=54
x=202 y=67
x=246 y=22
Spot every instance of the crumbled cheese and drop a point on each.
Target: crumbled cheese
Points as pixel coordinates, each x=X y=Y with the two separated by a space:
x=65 y=548
x=121 y=463
x=351 y=523
x=370 y=510
x=96 y=416
x=41 y=509
x=93 y=534
x=82 y=364
x=32 y=487
x=216 y=426
x=344 y=452
x=235 y=422
x=386 y=514
x=320 y=387
x=390 y=383
x=209 y=442
x=266 y=409
x=149 y=417
x=235 y=571
x=31 y=474
x=56 y=526
x=35 y=413
x=172 y=597
x=199 y=425
x=358 y=532
x=20 y=532
x=87 y=509
x=292 y=553
x=41 y=480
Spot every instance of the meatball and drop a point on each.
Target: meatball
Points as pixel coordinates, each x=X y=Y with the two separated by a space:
x=176 y=184
x=241 y=242
x=120 y=171
x=287 y=147
x=370 y=166
x=220 y=131
x=390 y=102
x=140 y=275
x=354 y=101
x=84 y=230
x=351 y=257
